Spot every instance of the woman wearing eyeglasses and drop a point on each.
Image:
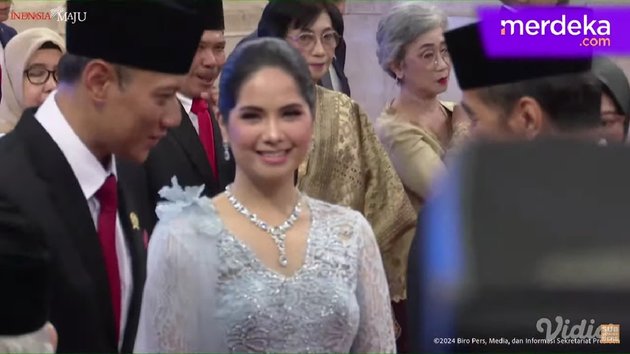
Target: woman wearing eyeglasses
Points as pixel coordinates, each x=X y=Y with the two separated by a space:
x=347 y=164
x=416 y=128
x=29 y=73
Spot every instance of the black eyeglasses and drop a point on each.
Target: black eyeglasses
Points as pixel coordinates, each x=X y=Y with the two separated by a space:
x=39 y=75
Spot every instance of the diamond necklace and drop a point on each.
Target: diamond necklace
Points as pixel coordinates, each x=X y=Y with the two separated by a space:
x=278 y=233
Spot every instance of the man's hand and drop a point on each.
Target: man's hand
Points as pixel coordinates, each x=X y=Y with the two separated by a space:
x=212 y=97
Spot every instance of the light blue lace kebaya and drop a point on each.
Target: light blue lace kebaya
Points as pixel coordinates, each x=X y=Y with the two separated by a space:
x=206 y=291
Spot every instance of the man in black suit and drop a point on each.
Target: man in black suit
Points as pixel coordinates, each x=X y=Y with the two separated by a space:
x=194 y=152
x=70 y=180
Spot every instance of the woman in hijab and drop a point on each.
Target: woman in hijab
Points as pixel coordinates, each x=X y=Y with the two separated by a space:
x=615 y=109
x=29 y=73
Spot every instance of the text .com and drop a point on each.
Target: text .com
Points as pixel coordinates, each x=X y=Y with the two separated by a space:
x=594 y=33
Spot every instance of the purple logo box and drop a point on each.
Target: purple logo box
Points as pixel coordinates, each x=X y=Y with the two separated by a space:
x=557 y=31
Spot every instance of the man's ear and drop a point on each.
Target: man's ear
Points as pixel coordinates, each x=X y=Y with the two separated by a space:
x=98 y=76
x=527 y=118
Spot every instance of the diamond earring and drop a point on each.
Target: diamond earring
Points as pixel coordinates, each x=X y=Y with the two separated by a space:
x=226 y=151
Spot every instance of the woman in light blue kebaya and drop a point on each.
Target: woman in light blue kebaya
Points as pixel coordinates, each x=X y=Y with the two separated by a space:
x=263 y=267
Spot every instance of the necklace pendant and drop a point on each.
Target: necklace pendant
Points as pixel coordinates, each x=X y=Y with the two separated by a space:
x=278 y=233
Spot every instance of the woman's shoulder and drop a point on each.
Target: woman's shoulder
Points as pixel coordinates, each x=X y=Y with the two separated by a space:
x=392 y=130
x=184 y=210
x=334 y=213
x=343 y=223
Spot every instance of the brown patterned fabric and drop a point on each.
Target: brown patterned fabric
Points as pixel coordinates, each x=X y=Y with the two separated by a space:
x=348 y=166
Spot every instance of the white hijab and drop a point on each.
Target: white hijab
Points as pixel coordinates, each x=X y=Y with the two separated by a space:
x=16 y=54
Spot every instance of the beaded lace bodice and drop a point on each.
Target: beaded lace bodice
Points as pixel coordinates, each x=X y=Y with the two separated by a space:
x=337 y=301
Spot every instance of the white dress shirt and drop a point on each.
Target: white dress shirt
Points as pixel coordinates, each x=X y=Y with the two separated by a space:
x=187 y=103
x=91 y=175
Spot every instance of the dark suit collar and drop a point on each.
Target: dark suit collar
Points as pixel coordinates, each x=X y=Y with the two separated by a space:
x=136 y=237
x=188 y=138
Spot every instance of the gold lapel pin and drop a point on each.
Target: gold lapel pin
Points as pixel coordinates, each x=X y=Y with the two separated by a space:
x=135 y=223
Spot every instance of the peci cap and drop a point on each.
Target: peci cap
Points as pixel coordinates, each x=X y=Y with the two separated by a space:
x=154 y=35
x=474 y=69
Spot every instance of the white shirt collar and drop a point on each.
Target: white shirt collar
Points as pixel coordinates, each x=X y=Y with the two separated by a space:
x=86 y=167
x=185 y=101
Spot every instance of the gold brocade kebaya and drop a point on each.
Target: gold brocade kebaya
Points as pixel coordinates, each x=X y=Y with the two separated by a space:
x=348 y=166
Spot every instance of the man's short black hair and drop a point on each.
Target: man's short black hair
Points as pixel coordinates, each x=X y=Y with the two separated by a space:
x=70 y=69
x=571 y=101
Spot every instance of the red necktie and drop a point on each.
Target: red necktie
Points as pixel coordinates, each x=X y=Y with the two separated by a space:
x=107 y=196
x=206 y=132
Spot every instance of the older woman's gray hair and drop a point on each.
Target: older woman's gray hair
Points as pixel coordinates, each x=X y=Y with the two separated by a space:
x=403 y=24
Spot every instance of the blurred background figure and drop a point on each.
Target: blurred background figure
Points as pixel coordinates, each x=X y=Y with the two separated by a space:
x=522 y=241
x=615 y=107
x=25 y=280
x=522 y=98
x=29 y=73
x=511 y=100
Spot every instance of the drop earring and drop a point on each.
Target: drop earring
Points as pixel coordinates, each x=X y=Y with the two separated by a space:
x=226 y=151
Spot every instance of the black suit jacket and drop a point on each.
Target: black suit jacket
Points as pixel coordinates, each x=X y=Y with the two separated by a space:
x=41 y=202
x=338 y=66
x=6 y=33
x=339 y=62
x=181 y=154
